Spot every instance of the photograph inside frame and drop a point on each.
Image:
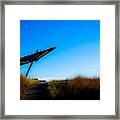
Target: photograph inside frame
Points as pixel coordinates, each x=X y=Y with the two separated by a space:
x=59 y=59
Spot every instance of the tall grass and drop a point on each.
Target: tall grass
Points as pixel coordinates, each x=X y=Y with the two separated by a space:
x=75 y=88
x=25 y=83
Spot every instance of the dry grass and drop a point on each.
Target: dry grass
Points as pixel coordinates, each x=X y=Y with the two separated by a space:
x=75 y=88
x=85 y=83
x=25 y=83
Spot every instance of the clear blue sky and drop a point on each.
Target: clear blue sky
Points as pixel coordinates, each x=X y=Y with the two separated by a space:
x=77 y=52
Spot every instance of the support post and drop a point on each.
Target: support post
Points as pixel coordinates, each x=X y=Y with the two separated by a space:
x=29 y=68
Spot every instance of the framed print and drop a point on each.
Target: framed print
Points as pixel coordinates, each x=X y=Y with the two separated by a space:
x=60 y=60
